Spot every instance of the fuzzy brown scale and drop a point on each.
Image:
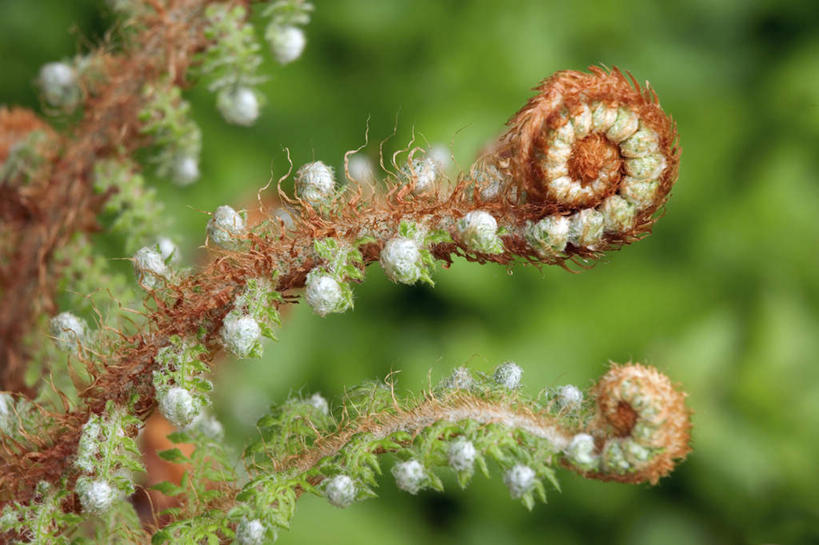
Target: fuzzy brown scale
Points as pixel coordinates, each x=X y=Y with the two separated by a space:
x=621 y=394
x=592 y=155
x=520 y=152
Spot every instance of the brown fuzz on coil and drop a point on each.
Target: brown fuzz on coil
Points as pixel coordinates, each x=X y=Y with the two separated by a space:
x=632 y=393
x=541 y=135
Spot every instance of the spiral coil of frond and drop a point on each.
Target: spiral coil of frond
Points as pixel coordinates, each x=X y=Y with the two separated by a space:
x=594 y=155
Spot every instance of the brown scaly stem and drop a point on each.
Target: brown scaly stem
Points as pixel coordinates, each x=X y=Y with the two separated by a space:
x=530 y=195
x=38 y=217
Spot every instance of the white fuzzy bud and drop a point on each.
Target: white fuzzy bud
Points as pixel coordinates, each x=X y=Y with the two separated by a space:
x=178 y=406
x=409 y=476
x=361 y=168
x=315 y=182
x=68 y=330
x=580 y=451
x=508 y=375
x=422 y=173
x=603 y=116
x=324 y=294
x=286 y=42
x=549 y=235
x=318 y=402
x=58 y=83
x=401 y=260
x=185 y=170
x=89 y=445
x=461 y=455
x=96 y=495
x=167 y=249
x=239 y=106
x=7 y=416
x=341 y=490
x=149 y=267
x=208 y=425
x=122 y=6
x=460 y=379
x=488 y=179
x=42 y=489
x=441 y=156
x=586 y=228
x=250 y=532
x=479 y=231
x=581 y=120
x=240 y=335
x=286 y=216
x=224 y=225
x=519 y=480
x=569 y=397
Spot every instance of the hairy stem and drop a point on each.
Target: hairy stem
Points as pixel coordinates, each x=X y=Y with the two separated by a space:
x=40 y=216
x=466 y=421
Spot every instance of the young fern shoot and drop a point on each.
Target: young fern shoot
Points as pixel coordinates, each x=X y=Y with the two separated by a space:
x=633 y=428
x=583 y=168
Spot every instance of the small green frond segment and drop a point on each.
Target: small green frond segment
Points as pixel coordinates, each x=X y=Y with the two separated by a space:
x=408 y=229
x=180 y=364
x=290 y=428
x=470 y=422
x=88 y=281
x=175 y=136
x=133 y=209
x=20 y=420
x=259 y=300
x=288 y=12
x=207 y=482
x=179 y=380
x=42 y=521
x=233 y=59
x=107 y=459
x=343 y=262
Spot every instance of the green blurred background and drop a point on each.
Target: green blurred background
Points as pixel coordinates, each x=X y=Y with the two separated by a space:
x=723 y=297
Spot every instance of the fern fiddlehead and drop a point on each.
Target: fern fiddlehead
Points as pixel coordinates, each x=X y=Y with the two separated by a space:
x=634 y=429
x=583 y=168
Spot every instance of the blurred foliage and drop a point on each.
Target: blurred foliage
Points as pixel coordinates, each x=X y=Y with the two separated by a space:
x=724 y=296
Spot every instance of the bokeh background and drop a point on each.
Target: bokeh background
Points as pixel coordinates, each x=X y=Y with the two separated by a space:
x=724 y=297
